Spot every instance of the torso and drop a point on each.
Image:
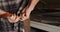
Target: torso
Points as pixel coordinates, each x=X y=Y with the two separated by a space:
x=13 y=6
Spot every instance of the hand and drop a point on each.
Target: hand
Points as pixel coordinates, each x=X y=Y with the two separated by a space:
x=27 y=10
x=25 y=14
x=13 y=19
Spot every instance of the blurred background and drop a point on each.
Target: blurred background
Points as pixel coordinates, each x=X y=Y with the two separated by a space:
x=46 y=16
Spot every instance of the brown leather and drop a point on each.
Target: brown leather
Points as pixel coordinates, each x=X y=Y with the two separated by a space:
x=5 y=15
x=27 y=25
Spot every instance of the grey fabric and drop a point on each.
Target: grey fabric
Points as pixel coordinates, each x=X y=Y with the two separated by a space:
x=6 y=26
x=13 y=6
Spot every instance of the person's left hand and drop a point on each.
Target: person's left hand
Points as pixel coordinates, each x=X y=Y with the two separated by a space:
x=25 y=14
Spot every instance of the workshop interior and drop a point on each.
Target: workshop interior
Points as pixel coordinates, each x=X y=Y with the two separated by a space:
x=46 y=16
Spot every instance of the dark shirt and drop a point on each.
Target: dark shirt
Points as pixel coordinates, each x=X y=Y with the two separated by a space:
x=12 y=6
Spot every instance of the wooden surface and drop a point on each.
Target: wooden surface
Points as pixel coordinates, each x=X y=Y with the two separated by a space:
x=46 y=27
x=27 y=25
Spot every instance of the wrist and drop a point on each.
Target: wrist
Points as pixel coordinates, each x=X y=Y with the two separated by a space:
x=2 y=12
x=5 y=15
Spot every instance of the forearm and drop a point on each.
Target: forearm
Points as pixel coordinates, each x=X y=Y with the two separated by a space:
x=2 y=12
x=33 y=4
x=31 y=7
x=27 y=10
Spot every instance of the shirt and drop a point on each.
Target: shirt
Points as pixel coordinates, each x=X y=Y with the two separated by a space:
x=12 y=6
x=6 y=26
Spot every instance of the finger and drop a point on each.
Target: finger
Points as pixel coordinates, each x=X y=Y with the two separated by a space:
x=13 y=17
x=23 y=16
x=9 y=17
x=24 y=10
x=20 y=16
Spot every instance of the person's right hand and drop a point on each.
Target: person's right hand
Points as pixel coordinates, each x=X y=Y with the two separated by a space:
x=13 y=18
